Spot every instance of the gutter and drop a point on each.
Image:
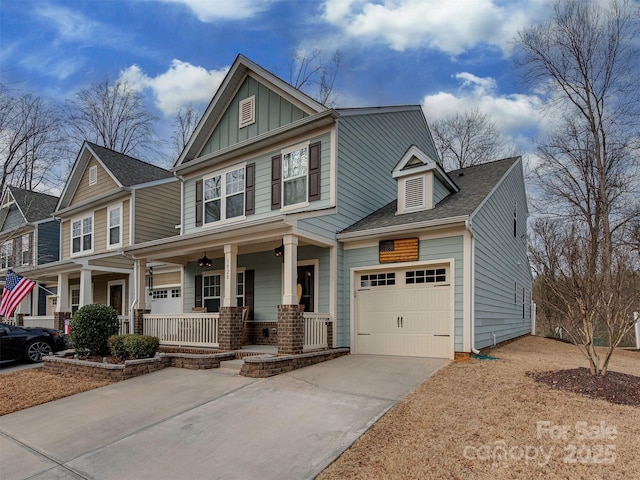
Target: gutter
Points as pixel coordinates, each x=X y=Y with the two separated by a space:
x=399 y=228
x=472 y=320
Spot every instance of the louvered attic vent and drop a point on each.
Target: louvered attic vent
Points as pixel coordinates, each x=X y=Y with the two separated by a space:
x=414 y=193
x=247 y=114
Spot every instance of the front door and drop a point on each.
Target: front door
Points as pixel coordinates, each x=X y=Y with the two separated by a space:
x=116 y=296
x=306 y=287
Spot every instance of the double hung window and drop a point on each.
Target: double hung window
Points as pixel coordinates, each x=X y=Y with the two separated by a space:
x=82 y=235
x=114 y=227
x=224 y=195
x=295 y=173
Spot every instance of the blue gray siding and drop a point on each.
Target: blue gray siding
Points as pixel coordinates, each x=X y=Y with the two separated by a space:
x=501 y=263
x=13 y=220
x=439 y=191
x=272 y=111
x=48 y=242
x=430 y=250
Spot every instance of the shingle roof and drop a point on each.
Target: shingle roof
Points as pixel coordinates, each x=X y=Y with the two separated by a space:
x=475 y=183
x=128 y=170
x=34 y=205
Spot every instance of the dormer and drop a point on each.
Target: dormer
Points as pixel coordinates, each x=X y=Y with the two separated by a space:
x=422 y=183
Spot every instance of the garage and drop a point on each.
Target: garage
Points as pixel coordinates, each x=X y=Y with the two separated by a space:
x=405 y=312
x=166 y=300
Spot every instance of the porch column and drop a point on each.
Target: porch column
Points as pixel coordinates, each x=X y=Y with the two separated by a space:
x=230 y=328
x=141 y=277
x=230 y=298
x=62 y=304
x=290 y=294
x=85 y=287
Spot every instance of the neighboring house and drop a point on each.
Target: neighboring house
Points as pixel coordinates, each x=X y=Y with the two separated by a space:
x=110 y=201
x=348 y=213
x=29 y=237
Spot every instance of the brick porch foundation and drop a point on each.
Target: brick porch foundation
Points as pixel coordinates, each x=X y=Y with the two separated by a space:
x=290 y=329
x=230 y=328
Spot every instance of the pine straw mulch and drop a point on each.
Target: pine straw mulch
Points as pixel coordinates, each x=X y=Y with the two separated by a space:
x=491 y=419
x=28 y=388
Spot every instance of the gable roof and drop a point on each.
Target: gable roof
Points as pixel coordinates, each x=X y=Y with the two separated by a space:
x=34 y=206
x=475 y=184
x=241 y=67
x=126 y=171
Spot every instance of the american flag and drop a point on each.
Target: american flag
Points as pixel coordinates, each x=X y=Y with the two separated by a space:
x=15 y=289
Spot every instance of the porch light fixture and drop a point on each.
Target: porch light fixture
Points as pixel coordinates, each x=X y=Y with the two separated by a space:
x=204 y=261
x=279 y=251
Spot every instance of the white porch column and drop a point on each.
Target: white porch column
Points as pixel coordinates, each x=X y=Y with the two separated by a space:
x=290 y=294
x=85 y=288
x=62 y=304
x=139 y=289
x=230 y=298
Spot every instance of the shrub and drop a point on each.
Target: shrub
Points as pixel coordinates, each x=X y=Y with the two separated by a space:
x=116 y=346
x=133 y=346
x=91 y=327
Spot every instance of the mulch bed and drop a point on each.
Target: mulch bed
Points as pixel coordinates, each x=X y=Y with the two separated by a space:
x=614 y=387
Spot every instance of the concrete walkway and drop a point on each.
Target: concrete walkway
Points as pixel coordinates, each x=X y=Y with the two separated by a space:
x=208 y=424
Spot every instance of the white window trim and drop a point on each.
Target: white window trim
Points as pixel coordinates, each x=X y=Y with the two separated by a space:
x=427 y=193
x=93 y=175
x=124 y=295
x=316 y=276
x=223 y=204
x=71 y=304
x=252 y=119
x=5 y=255
x=109 y=209
x=22 y=249
x=283 y=152
x=222 y=283
x=93 y=235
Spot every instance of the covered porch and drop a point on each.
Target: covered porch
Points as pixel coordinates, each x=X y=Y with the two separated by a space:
x=262 y=284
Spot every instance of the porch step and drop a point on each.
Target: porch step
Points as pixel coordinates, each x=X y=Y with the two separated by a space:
x=235 y=364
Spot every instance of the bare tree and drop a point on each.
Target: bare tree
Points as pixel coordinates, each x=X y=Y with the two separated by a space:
x=468 y=139
x=30 y=141
x=113 y=116
x=312 y=73
x=587 y=57
x=184 y=123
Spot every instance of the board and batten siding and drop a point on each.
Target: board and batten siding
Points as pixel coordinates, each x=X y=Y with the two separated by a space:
x=501 y=263
x=430 y=250
x=104 y=184
x=263 y=183
x=157 y=212
x=271 y=111
x=48 y=249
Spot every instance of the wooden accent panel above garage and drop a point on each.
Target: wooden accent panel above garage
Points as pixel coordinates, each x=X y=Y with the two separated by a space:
x=402 y=250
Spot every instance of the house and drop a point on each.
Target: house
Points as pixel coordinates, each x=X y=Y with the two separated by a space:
x=29 y=237
x=109 y=202
x=337 y=227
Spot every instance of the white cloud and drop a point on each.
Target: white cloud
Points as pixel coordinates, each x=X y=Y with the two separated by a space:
x=512 y=113
x=180 y=85
x=212 y=10
x=449 y=26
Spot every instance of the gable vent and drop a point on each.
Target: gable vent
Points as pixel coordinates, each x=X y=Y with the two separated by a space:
x=247 y=114
x=414 y=193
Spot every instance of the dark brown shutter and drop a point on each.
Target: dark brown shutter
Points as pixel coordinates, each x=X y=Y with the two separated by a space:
x=276 y=181
x=249 y=276
x=32 y=260
x=199 y=203
x=250 y=189
x=198 y=296
x=314 y=171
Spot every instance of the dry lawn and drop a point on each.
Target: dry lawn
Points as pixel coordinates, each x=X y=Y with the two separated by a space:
x=31 y=387
x=486 y=419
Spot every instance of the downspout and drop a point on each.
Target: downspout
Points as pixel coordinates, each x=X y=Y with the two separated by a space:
x=473 y=287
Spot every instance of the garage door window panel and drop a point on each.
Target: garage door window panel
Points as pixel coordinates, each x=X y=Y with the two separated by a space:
x=378 y=279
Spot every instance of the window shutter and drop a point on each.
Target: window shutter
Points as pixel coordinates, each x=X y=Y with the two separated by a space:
x=314 y=171
x=198 y=289
x=250 y=189
x=32 y=259
x=199 y=203
x=249 y=276
x=276 y=184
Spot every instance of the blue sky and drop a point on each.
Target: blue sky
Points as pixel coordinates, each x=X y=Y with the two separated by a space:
x=447 y=55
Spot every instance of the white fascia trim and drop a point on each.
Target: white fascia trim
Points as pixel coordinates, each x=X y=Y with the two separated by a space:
x=154 y=183
x=333 y=162
x=345 y=237
x=422 y=236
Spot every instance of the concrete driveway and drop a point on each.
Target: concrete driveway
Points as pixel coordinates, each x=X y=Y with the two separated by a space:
x=208 y=424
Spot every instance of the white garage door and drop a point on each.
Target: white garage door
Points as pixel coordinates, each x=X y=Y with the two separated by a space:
x=166 y=300
x=405 y=312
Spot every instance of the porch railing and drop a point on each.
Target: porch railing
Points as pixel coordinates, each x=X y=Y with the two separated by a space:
x=38 y=321
x=185 y=330
x=315 y=330
x=124 y=325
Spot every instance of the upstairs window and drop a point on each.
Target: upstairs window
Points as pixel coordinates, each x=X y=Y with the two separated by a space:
x=247 y=111
x=6 y=255
x=114 y=226
x=295 y=170
x=82 y=235
x=224 y=195
x=26 y=249
x=93 y=175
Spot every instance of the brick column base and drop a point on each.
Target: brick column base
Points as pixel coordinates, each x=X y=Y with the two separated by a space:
x=19 y=319
x=230 y=328
x=290 y=329
x=330 y=334
x=59 y=318
x=138 y=323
